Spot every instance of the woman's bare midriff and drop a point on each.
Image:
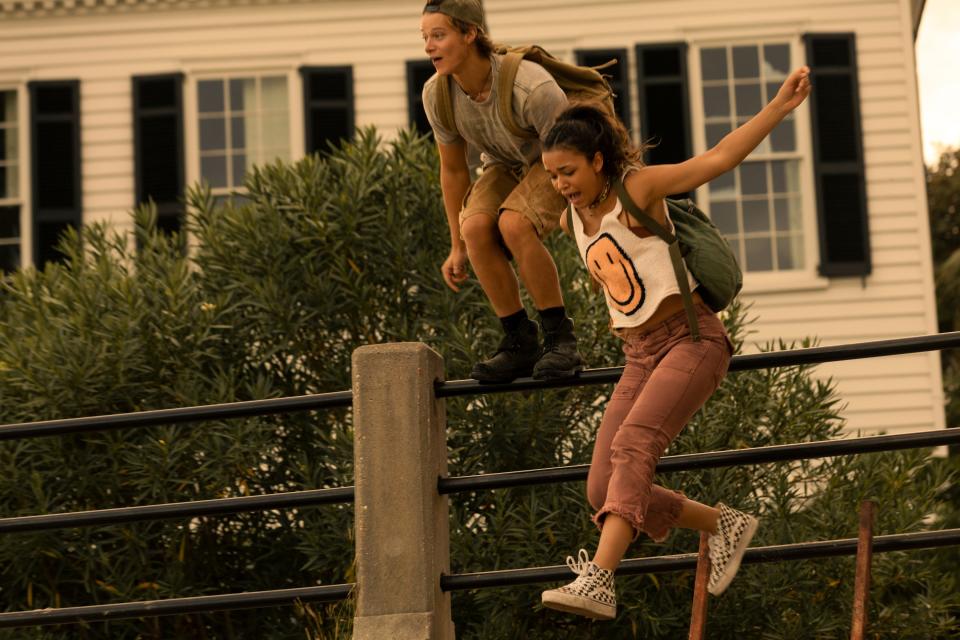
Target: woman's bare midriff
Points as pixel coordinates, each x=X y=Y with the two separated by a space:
x=670 y=306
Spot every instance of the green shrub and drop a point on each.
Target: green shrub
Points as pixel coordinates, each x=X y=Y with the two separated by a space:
x=278 y=289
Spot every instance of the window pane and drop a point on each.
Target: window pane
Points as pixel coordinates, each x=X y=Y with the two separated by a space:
x=737 y=245
x=274 y=93
x=276 y=130
x=8 y=143
x=213 y=136
x=772 y=89
x=8 y=106
x=238 y=133
x=786 y=213
x=746 y=62
x=9 y=182
x=783 y=137
x=759 y=253
x=9 y=222
x=239 y=169
x=713 y=63
x=724 y=215
x=210 y=96
x=753 y=178
x=724 y=186
x=716 y=101
x=9 y=257
x=790 y=252
x=715 y=133
x=786 y=178
x=214 y=170
x=748 y=99
x=756 y=216
x=776 y=59
x=243 y=94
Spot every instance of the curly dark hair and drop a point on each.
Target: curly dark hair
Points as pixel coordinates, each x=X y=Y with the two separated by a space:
x=588 y=128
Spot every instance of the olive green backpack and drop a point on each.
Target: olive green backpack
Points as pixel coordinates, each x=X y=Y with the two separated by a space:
x=698 y=246
x=578 y=83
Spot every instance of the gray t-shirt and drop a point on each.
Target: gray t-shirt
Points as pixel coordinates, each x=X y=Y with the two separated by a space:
x=537 y=100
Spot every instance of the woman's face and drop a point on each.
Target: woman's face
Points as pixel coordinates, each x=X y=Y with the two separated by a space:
x=446 y=46
x=577 y=178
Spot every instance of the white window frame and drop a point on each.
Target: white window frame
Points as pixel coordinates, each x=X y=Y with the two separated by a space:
x=226 y=71
x=766 y=281
x=23 y=200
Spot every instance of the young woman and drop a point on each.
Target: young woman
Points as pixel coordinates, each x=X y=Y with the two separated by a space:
x=511 y=206
x=667 y=376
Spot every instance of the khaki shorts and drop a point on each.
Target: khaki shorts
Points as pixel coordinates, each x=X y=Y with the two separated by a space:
x=499 y=189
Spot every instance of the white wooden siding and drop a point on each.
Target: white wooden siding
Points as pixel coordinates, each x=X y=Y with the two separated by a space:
x=104 y=47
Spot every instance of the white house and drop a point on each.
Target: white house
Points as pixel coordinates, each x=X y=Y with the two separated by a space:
x=106 y=102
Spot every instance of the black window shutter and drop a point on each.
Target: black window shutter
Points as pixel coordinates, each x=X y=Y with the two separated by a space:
x=664 y=102
x=838 y=155
x=158 y=152
x=617 y=76
x=55 y=164
x=418 y=72
x=327 y=106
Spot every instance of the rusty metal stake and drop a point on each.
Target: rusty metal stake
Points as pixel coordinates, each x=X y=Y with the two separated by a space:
x=861 y=588
x=698 y=617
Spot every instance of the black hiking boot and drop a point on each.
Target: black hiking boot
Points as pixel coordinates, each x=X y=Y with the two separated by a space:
x=560 y=358
x=515 y=357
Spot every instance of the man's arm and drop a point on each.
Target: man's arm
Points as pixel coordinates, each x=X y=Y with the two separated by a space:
x=454 y=182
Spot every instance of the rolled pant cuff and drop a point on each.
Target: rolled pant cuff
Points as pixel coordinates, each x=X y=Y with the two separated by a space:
x=633 y=516
x=659 y=528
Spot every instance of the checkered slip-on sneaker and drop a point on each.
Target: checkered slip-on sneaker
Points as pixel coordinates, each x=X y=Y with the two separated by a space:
x=728 y=545
x=590 y=595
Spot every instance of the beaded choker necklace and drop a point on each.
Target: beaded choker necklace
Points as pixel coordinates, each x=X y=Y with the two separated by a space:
x=602 y=196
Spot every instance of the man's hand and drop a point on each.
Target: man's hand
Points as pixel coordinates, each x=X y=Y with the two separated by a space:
x=454 y=268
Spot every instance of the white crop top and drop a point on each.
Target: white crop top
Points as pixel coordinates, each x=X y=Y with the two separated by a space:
x=636 y=273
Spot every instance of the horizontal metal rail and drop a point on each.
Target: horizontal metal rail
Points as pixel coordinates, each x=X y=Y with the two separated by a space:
x=790 y=357
x=688 y=561
x=174 y=606
x=177 y=415
x=460 y=388
x=711 y=459
x=193 y=509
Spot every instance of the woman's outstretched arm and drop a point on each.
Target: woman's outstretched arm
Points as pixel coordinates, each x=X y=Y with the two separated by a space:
x=657 y=181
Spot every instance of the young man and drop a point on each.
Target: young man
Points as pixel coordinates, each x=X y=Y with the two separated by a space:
x=512 y=205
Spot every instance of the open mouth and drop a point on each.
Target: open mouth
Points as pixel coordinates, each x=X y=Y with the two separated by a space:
x=573 y=197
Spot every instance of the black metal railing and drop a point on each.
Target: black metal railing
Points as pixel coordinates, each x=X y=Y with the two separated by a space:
x=327 y=593
x=196 y=508
x=688 y=561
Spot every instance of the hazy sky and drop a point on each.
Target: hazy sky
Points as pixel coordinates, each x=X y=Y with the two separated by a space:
x=938 y=68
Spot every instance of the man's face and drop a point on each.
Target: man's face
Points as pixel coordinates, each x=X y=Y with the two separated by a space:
x=446 y=46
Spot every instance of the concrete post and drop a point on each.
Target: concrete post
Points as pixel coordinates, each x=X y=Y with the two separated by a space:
x=403 y=537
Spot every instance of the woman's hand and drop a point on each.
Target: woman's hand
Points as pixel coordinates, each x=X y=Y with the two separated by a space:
x=454 y=268
x=794 y=90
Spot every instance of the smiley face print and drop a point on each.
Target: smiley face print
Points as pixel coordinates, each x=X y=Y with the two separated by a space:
x=611 y=266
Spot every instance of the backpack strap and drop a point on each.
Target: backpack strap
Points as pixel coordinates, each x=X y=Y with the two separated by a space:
x=508 y=75
x=445 y=104
x=570 y=221
x=673 y=245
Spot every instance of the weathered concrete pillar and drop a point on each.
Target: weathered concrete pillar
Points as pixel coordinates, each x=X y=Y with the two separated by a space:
x=403 y=537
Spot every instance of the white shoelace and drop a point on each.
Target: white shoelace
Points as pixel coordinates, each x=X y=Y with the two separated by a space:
x=580 y=565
